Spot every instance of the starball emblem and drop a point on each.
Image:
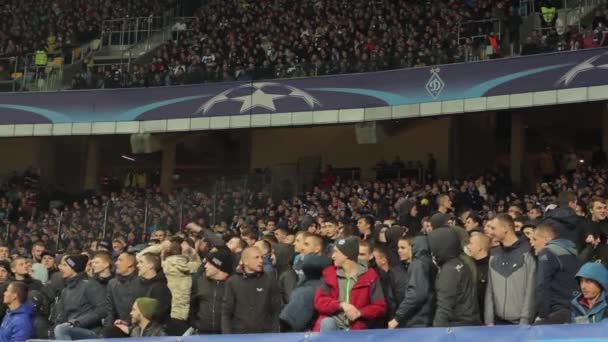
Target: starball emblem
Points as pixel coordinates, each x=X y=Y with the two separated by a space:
x=435 y=84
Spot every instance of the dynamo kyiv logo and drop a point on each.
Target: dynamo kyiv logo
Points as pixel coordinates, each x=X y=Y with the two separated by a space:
x=435 y=84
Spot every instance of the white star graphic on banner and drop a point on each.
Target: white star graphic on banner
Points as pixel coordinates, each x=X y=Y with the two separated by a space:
x=587 y=65
x=258 y=99
x=295 y=92
x=216 y=99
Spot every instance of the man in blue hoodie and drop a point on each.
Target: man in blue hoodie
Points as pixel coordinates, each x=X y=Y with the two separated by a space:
x=18 y=324
x=555 y=282
x=590 y=306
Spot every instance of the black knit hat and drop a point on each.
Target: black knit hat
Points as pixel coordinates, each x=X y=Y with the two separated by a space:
x=349 y=247
x=77 y=262
x=222 y=259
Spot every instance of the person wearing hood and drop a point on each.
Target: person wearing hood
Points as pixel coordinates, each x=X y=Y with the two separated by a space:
x=511 y=276
x=282 y=258
x=351 y=296
x=408 y=217
x=208 y=293
x=82 y=304
x=455 y=287
x=590 y=305
x=18 y=323
x=417 y=297
x=252 y=301
x=564 y=217
x=298 y=315
x=555 y=281
x=154 y=285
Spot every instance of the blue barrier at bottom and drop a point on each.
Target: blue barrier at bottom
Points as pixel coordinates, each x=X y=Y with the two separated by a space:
x=546 y=333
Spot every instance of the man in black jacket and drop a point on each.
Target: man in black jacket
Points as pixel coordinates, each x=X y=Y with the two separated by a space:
x=479 y=250
x=564 y=217
x=154 y=285
x=556 y=283
x=252 y=301
x=102 y=267
x=455 y=285
x=122 y=292
x=81 y=306
x=208 y=293
x=19 y=268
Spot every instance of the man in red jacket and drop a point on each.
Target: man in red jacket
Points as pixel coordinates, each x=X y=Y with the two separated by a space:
x=351 y=295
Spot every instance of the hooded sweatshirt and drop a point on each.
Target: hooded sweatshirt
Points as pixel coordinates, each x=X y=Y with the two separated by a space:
x=581 y=313
x=299 y=312
x=565 y=220
x=555 y=282
x=455 y=284
x=511 y=284
x=418 y=304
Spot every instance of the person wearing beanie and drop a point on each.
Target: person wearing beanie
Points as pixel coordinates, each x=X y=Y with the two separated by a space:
x=351 y=295
x=208 y=292
x=82 y=303
x=142 y=324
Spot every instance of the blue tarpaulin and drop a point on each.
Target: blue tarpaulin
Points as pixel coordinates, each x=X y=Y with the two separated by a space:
x=547 y=333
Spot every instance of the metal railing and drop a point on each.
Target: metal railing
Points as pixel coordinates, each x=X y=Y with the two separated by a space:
x=479 y=29
x=128 y=31
x=9 y=74
x=527 y=7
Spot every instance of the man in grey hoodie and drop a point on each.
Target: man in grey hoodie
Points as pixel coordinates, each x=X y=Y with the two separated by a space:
x=511 y=276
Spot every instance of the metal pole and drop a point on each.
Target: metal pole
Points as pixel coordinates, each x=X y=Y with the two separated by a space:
x=146 y=216
x=58 y=232
x=105 y=220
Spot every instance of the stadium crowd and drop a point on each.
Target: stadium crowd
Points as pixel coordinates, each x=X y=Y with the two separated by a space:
x=345 y=255
x=56 y=25
x=244 y=41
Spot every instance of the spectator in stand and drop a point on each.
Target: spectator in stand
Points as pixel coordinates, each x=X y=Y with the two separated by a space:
x=299 y=313
x=102 y=267
x=590 y=306
x=122 y=291
x=21 y=273
x=416 y=297
x=18 y=323
x=479 y=249
x=282 y=257
x=142 y=323
x=208 y=293
x=82 y=305
x=595 y=231
x=555 y=282
x=564 y=217
x=455 y=283
x=154 y=285
x=511 y=276
x=243 y=312
x=351 y=295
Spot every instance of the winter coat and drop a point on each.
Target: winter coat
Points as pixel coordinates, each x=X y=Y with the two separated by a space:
x=153 y=329
x=455 y=284
x=598 y=313
x=511 y=284
x=418 y=296
x=252 y=303
x=287 y=277
x=18 y=325
x=366 y=295
x=83 y=301
x=206 y=306
x=156 y=288
x=122 y=291
x=565 y=221
x=555 y=281
x=299 y=313
x=178 y=269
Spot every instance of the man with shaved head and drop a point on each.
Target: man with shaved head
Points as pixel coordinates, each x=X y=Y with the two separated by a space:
x=252 y=301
